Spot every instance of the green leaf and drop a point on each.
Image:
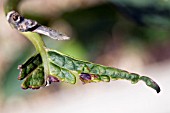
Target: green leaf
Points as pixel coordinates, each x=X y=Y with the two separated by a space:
x=62 y=68
x=32 y=71
x=90 y=72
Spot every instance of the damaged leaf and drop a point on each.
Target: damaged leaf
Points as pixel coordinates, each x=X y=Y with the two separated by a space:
x=62 y=68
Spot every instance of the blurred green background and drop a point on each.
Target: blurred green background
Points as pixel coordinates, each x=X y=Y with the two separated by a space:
x=128 y=34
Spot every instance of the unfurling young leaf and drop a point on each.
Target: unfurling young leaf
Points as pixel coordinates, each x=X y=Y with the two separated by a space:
x=49 y=66
x=63 y=67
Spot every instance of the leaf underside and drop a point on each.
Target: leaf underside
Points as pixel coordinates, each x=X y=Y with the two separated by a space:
x=62 y=68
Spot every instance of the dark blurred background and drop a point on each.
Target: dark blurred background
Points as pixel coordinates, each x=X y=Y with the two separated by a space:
x=128 y=34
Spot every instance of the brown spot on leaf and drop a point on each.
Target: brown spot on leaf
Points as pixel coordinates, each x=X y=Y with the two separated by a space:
x=52 y=79
x=85 y=78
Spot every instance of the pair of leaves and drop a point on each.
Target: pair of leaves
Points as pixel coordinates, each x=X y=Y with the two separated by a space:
x=63 y=68
x=35 y=77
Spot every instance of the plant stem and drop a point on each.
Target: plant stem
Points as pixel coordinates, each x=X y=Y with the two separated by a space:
x=11 y=5
x=40 y=48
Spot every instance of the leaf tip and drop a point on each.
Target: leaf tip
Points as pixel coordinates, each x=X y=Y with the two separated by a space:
x=157 y=88
x=66 y=37
x=20 y=68
x=149 y=82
